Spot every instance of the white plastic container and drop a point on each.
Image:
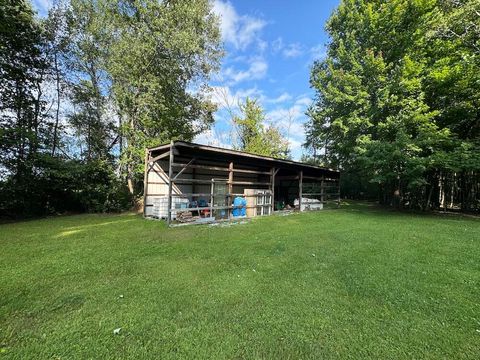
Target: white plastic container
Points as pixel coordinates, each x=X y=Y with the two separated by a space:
x=160 y=206
x=309 y=204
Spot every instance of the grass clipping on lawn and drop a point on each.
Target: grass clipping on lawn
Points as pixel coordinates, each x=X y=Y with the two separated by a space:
x=357 y=282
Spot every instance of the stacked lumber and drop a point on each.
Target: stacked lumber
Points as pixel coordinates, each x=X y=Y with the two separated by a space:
x=185 y=216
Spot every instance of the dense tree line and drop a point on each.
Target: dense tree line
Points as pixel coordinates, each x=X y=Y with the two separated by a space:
x=398 y=101
x=86 y=89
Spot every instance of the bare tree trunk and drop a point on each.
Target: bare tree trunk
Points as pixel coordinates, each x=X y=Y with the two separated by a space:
x=34 y=124
x=21 y=135
x=120 y=134
x=130 y=173
x=89 y=140
x=131 y=187
x=441 y=190
x=57 y=111
x=452 y=192
x=36 y=115
x=429 y=197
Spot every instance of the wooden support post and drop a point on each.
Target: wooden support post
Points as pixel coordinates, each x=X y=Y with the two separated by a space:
x=230 y=187
x=211 y=197
x=272 y=190
x=300 y=190
x=339 y=197
x=194 y=177
x=145 y=182
x=322 y=189
x=169 y=210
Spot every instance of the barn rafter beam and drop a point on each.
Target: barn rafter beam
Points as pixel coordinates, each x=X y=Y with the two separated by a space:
x=185 y=167
x=159 y=157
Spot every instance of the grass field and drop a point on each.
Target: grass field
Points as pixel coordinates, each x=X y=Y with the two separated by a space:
x=357 y=282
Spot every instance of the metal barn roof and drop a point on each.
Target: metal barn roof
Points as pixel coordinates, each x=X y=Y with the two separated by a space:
x=190 y=148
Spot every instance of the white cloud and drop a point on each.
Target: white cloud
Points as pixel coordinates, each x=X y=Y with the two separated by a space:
x=281 y=98
x=291 y=121
x=213 y=137
x=225 y=98
x=228 y=102
x=318 y=52
x=295 y=146
x=239 y=30
x=292 y=50
x=247 y=30
x=277 y=45
x=228 y=19
x=257 y=69
x=303 y=101
x=262 y=45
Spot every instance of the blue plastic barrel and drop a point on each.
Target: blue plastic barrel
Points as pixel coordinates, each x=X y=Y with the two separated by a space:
x=239 y=204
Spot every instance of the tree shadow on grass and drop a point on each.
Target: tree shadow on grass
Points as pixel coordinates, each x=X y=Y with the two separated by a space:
x=371 y=207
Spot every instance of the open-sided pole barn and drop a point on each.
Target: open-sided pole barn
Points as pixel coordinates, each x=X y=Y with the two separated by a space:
x=189 y=182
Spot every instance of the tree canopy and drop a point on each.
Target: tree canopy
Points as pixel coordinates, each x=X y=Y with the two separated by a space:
x=87 y=88
x=254 y=136
x=397 y=97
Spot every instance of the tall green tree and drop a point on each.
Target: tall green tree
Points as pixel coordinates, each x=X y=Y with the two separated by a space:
x=145 y=64
x=23 y=67
x=83 y=91
x=374 y=113
x=55 y=47
x=254 y=136
x=162 y=55
x=452 y=84
x=453 y=58
x=86 y=56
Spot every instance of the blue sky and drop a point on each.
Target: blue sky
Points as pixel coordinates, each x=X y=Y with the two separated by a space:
x=270 y=46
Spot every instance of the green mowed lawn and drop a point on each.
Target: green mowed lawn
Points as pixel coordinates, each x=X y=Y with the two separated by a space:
x=357 y=282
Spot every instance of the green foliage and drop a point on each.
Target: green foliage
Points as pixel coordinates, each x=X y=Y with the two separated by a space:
x=452 y=79
x=86 y=53
x=159 y=62
x=396 y=90
x=256 y=138
x=61 y=185
x=147 y=62
x=355 y=283
x=33 y=181
x=127 y=74
x=22 y=68
x=98 y=189
x=93 y=128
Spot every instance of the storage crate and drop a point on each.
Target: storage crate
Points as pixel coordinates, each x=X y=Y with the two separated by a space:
x=309 y=204
x=260 y=204
x=160 y=206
